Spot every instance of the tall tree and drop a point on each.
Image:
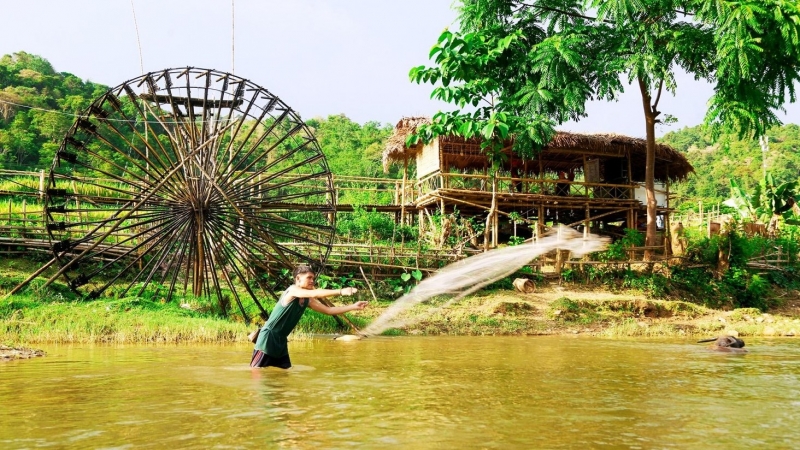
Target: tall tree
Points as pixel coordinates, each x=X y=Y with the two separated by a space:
x=524 y=66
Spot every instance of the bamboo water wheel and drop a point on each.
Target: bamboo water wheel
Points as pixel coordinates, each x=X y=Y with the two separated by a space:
x=192 y=181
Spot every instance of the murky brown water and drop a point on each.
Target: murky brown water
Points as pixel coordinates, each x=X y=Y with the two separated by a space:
x=432 y=392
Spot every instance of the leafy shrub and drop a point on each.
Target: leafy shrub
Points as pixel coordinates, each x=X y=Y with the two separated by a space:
x=616 y=251
x=570 y=310
x=403 y=283
x=516 y=240
x=363 y=224
x=654 y=285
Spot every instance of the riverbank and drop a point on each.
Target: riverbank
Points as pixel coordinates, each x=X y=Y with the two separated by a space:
x=551 y=310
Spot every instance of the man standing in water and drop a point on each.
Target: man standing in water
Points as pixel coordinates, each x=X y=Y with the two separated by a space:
x=271 y=346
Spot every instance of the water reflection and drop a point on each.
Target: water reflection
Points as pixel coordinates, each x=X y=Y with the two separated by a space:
x=435 y=392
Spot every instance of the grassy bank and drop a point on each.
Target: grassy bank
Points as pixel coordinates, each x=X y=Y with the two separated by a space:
x=552 y=310
x=27 y=319
x=56 y=315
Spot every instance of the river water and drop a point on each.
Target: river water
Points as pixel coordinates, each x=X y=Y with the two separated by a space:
x=408 y=392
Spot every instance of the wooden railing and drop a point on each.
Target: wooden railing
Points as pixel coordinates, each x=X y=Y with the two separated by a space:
x=551 y=187
x=369 y=190
x=25 y=233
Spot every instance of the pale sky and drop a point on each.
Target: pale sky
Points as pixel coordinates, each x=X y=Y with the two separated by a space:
x=321 y=57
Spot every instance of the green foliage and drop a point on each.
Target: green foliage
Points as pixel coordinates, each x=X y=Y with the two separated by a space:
x=520 y=68
x=741 y=201
x=325 y=281
x=616 y=251
x=403 y=283
x=568 y=310
x=769 y=202
x=352 y=149
x=733 y=159
x=780 y=200
x=30 y=137
x=740 y=285
x=701 y=278
x=654 y=284
x=363 y=224
x=452 y=230
x=26 y=318
x=516 y=240
x=569 y=275
x=29 y=90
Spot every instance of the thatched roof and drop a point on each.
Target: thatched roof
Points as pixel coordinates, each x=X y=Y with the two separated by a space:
x=396 y=149
x=561 y=152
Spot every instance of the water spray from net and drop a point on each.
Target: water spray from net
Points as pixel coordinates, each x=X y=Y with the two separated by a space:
x=471 y=274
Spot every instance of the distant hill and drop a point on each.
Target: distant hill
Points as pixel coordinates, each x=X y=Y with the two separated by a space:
x=38 y=104
x=716 y=163
x=29 y=134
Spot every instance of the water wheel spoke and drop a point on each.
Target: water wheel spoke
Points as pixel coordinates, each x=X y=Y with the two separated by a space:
x=135 y=239
x=121 y=174
x=238 y=262
x=284 y=202
x=173 y=266
x=238 y=94
x=159 y=260
x=153 y=240
x=272 y=167
x=93 y=132
x=312 y=228
x=146 y=164
x=247 y=244
x=282 y=226
x=149 y=215
x=266 y=154
x=95 y=239
x=226 y=260
x=210 y=262
x=261 y=250
x=153 y=155
x=253 y=146
x=83 y=278
x=167 y=157
x=257 y=181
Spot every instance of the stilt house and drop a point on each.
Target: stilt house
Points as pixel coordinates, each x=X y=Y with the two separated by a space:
x=588 y=181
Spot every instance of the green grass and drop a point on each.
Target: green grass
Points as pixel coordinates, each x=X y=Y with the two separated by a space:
x=28 y=319
x=632 y=328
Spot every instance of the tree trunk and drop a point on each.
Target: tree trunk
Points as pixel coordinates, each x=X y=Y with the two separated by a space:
x=650 y=114
x=772 y=228
x=490 y=216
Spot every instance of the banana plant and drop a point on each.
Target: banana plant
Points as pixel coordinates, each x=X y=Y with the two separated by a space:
x=781 y=202
x=742 y=202
x=770 y=202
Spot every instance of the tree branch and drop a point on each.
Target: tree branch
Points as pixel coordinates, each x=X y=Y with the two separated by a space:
x=658 y=96
x=581 y=16
x=566 y=13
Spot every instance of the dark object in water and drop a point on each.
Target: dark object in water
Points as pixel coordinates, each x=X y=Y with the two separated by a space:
x=14 y=353
x=725 y=342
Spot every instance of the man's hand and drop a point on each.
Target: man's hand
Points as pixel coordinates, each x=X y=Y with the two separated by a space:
x=360 y=305
x=349 y=291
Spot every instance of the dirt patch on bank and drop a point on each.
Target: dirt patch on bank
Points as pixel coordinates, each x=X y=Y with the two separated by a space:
x=553 y=310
